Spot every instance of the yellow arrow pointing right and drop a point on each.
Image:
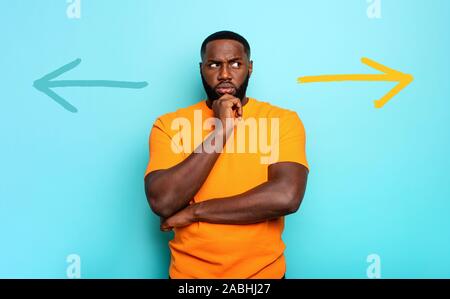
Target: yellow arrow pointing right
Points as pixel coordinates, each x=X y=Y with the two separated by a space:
x=388 y=75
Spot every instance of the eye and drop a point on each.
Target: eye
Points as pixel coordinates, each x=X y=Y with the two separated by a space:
x=235 y=65
x=213 y=65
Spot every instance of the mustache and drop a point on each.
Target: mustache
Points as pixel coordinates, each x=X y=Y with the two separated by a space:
x=213 y=95
x=225 y=85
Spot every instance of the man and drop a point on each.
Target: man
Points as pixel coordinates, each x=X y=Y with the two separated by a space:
x=224 y=197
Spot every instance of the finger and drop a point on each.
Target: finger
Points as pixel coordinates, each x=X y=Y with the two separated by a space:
x=239 y=110
x=226 y=97
x=232 y=101
x=164 y=225
x=165 y=228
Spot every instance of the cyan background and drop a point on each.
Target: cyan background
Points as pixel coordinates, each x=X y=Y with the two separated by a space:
x=73 y=183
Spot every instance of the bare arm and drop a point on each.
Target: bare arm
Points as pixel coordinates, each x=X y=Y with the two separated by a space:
x=170 y=190
x=280 y=195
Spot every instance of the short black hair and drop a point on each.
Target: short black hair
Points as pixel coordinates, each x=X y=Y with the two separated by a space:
x=225 y=35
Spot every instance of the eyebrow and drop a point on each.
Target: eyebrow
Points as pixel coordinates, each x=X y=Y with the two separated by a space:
x=220 y=61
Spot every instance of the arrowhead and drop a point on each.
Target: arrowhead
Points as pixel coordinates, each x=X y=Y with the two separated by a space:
x=403 y=80
x=42 y=85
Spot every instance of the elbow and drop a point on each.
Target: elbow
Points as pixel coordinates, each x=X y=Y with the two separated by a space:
x=157 y=202
x=157 y=206
x=293 y=205
x=294 y=194
x=292 y=201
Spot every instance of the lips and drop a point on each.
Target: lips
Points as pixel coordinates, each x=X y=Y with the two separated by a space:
x=225 y=88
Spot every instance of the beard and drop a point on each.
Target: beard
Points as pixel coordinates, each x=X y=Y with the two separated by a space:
x=213 y=95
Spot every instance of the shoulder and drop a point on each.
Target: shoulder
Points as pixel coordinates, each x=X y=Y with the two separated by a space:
x=288 y=120
x=166 y=119
x=266 y=109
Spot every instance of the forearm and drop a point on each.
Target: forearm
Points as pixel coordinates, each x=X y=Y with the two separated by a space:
x=267 y=201
x=171 y=189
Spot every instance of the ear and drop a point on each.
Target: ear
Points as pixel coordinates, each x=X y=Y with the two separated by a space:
x=200 y=65
x=250 y=68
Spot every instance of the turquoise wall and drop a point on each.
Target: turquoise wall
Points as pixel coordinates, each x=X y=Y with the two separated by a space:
x=72 y=183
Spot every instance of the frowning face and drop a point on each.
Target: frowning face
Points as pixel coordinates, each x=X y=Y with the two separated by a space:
x=225 y=69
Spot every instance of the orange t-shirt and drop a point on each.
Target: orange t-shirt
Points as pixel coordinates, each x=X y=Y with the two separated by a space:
x=206 y=250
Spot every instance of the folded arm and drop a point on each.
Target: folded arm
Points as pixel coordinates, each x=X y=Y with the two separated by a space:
x=281 y=195
x=170 y=190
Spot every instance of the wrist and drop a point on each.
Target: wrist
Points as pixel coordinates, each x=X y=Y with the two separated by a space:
x=195 y=212
x=227 y=128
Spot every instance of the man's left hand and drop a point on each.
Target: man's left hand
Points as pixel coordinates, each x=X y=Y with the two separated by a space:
x=182 y=218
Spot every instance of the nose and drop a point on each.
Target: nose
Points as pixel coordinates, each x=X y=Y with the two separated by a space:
x=224 y=73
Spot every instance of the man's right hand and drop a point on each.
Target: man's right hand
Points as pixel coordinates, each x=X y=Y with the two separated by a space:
x=186 y=178
x=227 y=106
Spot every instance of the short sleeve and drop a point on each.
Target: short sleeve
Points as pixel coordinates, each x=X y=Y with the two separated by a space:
x=292 y=141
x=161 y=149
